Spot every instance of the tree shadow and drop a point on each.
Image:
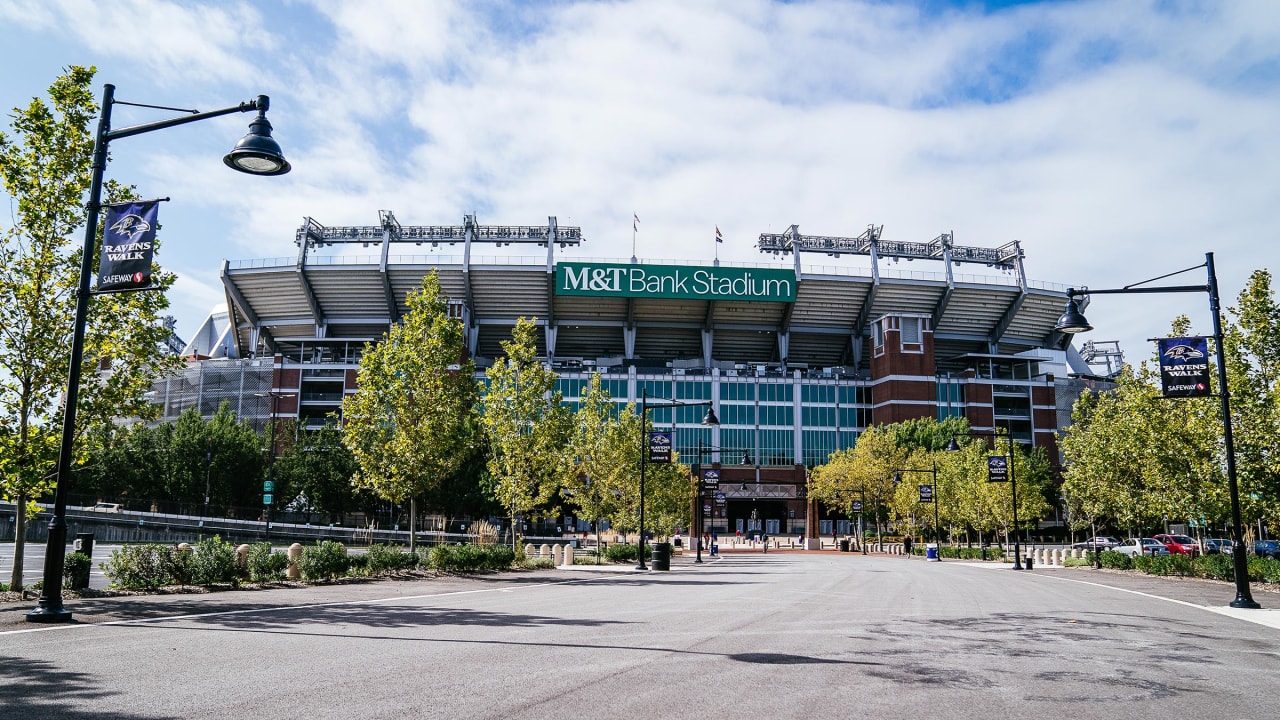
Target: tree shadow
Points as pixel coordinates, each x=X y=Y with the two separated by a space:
x=40 y=690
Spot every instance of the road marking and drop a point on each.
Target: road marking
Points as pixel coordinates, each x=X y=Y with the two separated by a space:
x=139 y=621
x=1269 y=618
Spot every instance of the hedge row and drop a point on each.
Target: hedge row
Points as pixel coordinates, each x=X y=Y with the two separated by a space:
x=1212 y=567
x=213 y=562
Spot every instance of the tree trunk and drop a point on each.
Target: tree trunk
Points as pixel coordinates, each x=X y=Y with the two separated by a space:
x=19 y=541
x=413 y=522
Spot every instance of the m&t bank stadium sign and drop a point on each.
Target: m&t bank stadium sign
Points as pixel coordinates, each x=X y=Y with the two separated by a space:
x=683 y=282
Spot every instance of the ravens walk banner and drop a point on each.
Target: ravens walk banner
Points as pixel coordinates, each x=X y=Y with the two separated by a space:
x=1184 y=366
x=128 y=242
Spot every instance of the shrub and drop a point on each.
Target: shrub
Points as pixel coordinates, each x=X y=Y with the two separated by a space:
x=141 y=566
x=75 y=569
x=621 y=553
x=324 y=560
x=382 y=559
x=1116 y=560
x=1142 y=563
x=1077 y=562
x=1174 y=564
x=266 y=565
x=540 y=563
x=467 y=558
x=213 y=562
x=1215 y=567
x=1264 y=569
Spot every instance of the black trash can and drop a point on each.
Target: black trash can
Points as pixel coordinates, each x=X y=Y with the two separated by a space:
x=83 y=544
x=661 y=556
x=844 y=545
x=1030 y=562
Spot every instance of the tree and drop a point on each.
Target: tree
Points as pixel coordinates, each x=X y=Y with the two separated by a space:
x=526 y=424
x=408 y=425
x=1253 y=370
x=46 y=169
x=314 y=472
x=596 y=454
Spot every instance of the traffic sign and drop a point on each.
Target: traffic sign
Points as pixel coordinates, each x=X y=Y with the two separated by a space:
x=267 y=499
x=268 y=486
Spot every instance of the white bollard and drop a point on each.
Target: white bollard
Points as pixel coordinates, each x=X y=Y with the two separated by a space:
x=544 y=551
x=567 y=560
x=529 y=550
x=295 y=552
x=557 y=554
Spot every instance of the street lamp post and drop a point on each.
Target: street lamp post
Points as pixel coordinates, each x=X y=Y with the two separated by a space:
x=257 y=153
x=270 y=485
x=1013 y=482
x=1072 y=321
x=703 y=450
x=937 y=532
x=709 y=419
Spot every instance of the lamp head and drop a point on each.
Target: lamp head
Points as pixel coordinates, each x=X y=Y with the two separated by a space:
x=258 y=153
x=1072 y=320
x=953 y=446
x=710 y=418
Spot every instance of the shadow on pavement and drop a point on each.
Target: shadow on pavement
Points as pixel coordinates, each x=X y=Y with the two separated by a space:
x=39 y=689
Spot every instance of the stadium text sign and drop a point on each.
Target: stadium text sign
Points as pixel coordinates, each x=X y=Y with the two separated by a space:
x=684 y=282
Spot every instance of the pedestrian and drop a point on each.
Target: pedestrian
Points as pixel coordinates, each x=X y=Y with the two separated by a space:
x=764 y=538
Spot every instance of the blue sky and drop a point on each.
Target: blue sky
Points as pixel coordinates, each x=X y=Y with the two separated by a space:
x=1117 y=141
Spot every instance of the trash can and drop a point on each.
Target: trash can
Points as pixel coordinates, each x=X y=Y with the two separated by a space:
x=715 y=549
x=83 y=544
x=1030 y=562
x=931 y=552
x=844 y=545
x=661 y=556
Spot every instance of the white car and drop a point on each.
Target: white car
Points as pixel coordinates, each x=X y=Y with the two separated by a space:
x=106 y=507
x=1141 y=546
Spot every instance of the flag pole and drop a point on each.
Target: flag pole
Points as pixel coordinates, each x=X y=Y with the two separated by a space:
x=635 y=224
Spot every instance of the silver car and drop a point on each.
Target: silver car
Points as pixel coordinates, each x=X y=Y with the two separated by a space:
x=1141 y=546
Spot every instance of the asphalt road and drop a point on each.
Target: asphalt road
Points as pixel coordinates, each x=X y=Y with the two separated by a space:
x=783 y=635
x=33 y=563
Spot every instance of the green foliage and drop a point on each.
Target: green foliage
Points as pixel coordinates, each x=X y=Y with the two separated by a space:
x=315 y=471
x=382 y=559
x=539 y=563
x=146 y=566
x=410 y=421
x=1174 y=564
x=1215 y=567
x=323 y=561
x=213 y=562
x=621 y=553
x=1077 y=562
x=265 y=564
x=469 y=558
x=526 y=424
x=1115 y=560
x=75 y=569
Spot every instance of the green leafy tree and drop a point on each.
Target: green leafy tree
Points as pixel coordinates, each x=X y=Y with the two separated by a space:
x=45 y=165
x=313 y=473
x=408 y=425
x=593 y=475
x=526 y=424
x=1252 y=343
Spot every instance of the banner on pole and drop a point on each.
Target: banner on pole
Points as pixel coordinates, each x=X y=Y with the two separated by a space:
x=660 y=446
x=997 y=468
x=926 y=493
x=128 y=244
x=1184 y=366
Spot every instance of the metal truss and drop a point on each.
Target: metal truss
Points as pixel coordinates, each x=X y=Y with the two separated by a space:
x=1005 y=257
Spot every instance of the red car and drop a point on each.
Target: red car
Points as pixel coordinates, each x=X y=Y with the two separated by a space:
x=1179 y=544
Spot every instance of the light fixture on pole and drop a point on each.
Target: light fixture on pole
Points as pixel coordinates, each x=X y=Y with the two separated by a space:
x=709 y=419
x=257 y=154
x=937 y=532
x=1073 y=321
x=954 y=446
x=703 y=450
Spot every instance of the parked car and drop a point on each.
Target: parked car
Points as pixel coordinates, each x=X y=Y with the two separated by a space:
x=1141 y=546
x=1100 y=542
x=1179 y=544
x=105 y=507
x=1266 y=548
x=1217 y=546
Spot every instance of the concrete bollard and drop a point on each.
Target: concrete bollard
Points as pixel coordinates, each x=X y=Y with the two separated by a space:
x=544 y=551
x=529 y=550
x=295 y=552
x=242 y=556
x=557 y=554
x=567 y=560
x=186 y=547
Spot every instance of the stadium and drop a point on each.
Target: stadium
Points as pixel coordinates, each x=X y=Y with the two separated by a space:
x=796 y=358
